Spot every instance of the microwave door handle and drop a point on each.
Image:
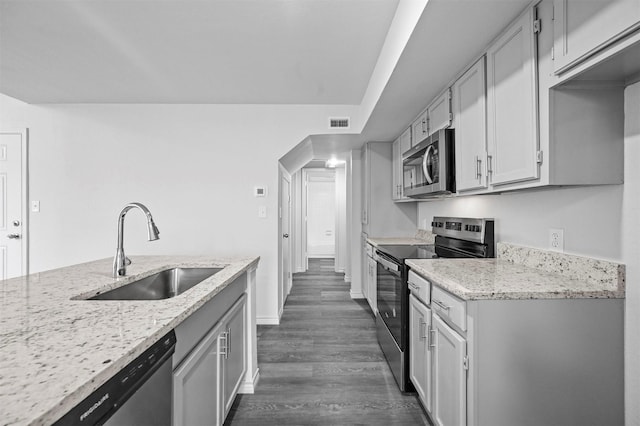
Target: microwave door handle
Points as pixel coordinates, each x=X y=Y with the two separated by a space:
x=427 y=176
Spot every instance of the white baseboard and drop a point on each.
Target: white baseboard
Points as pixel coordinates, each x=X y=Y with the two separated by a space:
x=357 y=295
x=250 y=383
x=347 y=278
x=268 y=321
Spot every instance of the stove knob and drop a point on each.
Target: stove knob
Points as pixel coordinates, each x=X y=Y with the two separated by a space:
x=466 y=227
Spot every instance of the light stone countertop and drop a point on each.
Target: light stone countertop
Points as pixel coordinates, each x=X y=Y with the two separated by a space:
x=422 y=237
x=54 y=351
x=498 y=279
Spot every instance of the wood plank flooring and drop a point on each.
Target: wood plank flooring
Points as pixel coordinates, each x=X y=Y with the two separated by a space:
x=322 y=365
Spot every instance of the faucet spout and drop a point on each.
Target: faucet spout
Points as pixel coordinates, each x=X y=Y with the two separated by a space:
x=120 y=261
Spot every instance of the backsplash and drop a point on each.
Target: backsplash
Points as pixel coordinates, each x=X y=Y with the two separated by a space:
x=587 y=269
x=427 y=236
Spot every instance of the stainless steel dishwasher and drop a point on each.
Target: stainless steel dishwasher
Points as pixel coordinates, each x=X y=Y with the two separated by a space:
x=140 y=394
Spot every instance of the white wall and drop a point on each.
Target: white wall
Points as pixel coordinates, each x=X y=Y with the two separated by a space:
x=194 y=166
x=590 y=217
x=631 y=253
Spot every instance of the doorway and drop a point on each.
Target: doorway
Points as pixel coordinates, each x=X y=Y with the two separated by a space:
x=321 y=213
x=14 y=259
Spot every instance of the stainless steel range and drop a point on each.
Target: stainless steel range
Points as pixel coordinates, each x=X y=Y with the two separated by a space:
x=455 y=238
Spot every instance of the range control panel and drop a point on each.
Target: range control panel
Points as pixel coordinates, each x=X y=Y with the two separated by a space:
x=470 y=229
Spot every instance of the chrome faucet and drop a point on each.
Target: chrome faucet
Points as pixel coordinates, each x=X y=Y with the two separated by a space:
x=120 y=261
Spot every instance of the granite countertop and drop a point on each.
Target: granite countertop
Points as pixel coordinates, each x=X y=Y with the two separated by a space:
x=421 y=237
x=54 y=351
x=487 y=279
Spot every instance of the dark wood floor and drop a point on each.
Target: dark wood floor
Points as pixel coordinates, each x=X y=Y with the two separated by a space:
x=322 y=365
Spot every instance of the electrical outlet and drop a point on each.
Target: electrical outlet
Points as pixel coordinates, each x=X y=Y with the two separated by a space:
x=556 y=239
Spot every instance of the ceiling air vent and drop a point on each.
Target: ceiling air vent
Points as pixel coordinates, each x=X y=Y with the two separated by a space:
x=338 y=123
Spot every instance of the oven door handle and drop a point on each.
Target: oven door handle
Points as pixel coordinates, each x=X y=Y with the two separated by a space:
x=389 y=265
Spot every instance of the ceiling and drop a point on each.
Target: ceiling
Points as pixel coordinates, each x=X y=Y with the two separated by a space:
x=314 y=52
x=191 y=51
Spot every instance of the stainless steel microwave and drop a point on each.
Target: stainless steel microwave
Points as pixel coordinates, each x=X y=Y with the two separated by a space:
x=429 y=167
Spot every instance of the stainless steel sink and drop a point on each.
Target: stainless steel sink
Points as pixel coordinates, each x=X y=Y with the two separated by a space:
x=163 y=285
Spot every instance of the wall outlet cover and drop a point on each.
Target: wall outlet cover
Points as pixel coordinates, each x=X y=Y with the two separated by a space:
x=556 y=239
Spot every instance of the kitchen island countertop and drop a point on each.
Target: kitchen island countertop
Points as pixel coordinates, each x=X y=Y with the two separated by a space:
x=56 y=349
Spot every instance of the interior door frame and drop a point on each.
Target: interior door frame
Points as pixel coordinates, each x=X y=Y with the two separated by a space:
x=320 y=174
x=24 y=134
x=283 y=288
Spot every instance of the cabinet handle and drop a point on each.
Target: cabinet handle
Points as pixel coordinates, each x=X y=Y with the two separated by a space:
x=441 y=305
x=489 y=168
x=414 y=287
x=228 y=351
x=224 y=349
x=423 y=328
x=432 y=340
x=478 y=167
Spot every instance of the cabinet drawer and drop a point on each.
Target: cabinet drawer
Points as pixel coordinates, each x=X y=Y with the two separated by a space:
x=419 y=287
x=449 y=307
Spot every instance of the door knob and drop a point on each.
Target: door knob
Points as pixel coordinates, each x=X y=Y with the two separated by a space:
x=285 y=235
x=13 y=236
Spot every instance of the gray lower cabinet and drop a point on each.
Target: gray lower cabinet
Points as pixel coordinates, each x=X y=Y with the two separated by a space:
x=207 y=380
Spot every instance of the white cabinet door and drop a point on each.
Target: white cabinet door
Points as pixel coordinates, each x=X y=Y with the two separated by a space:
x=450 y=376
x=469 y=109
x=439 y=112
x=372 y=277
x=420 y=128
x=234 y=356
x=400 y=146
x=512 y=104
x=196 y=384
x=396 y=165
x=419 y=351
x=582 y=28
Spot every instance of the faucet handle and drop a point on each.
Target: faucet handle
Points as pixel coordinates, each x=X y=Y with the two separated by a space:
x=127 y=261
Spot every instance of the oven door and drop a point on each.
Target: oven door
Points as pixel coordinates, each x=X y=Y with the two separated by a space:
x=389 y=291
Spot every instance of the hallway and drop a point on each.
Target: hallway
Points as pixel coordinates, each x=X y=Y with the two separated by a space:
x=322 y=364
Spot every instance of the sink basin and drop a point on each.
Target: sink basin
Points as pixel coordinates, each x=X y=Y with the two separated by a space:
x=162 y=285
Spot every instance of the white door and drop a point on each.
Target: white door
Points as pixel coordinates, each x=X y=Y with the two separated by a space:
x=13 y=226
x=321 y=200
x=285 y=211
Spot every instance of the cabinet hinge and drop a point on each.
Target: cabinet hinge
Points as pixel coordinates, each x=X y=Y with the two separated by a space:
x=465 y=362
x=539 y=157
x=537 y=26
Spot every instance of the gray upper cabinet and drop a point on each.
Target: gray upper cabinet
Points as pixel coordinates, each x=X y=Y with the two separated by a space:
x=512 y=104
x=420 y=128
x=582 y=28
x=401 y=145
x=439 y=114
x=469 y=110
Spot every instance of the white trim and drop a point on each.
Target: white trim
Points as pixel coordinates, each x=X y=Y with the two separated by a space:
x=267 y=320
x=25 y=195
x=347 y=278
x=356 y=295
x=250 y=383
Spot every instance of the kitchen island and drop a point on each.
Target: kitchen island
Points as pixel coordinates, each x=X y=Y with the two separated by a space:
x=56 y=348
